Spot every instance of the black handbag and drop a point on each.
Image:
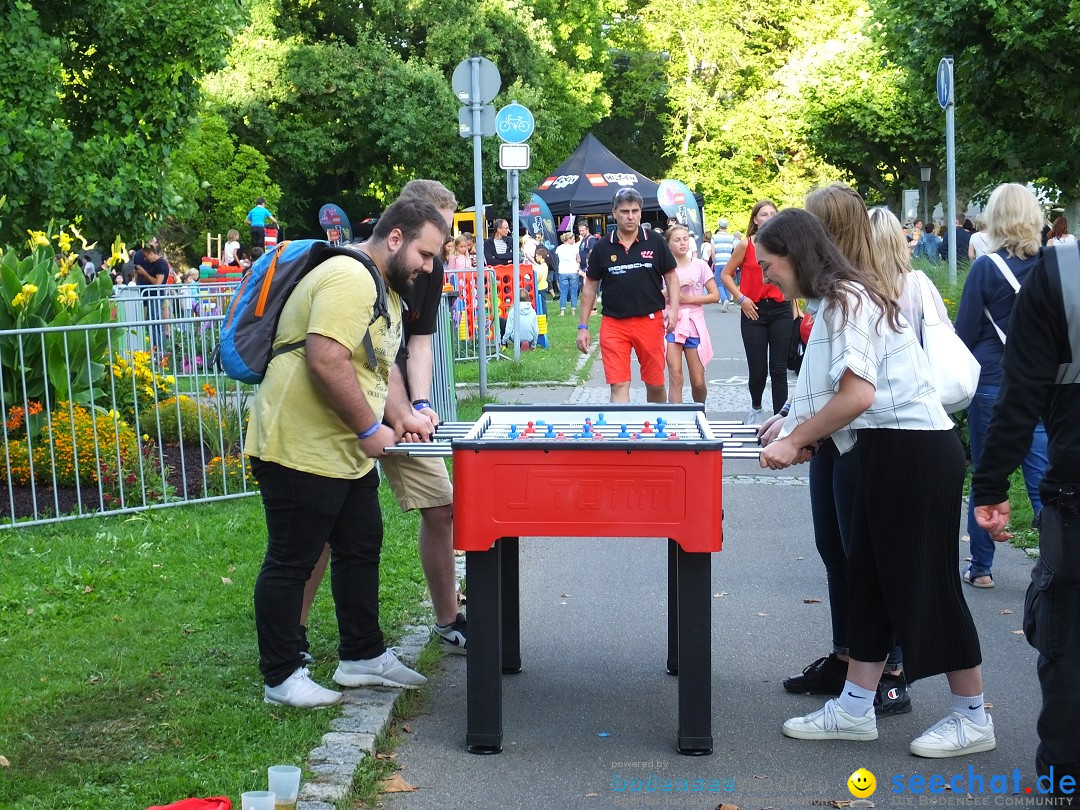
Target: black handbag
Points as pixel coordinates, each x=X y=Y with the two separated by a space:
x=797 y=347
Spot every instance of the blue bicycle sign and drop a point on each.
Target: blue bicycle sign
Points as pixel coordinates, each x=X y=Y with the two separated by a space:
x=514 y=123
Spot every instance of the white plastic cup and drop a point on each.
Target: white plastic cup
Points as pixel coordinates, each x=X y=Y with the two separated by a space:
x=285 y=783
x=257 y=800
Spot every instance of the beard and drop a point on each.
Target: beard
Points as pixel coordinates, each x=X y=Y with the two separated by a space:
x=398 y=275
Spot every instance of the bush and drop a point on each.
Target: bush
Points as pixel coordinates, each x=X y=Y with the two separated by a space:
x=70 y=447
x=138 y=387
x=182 y=419
x=227 y=475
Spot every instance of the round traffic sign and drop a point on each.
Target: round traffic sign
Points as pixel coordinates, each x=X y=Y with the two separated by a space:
x=944 y=82
x=514 y=123
x=489 y=79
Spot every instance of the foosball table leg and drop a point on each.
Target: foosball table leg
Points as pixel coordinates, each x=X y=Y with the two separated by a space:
x=483 y=664
x=673 y=608
x=695 y=652
x=511 y=607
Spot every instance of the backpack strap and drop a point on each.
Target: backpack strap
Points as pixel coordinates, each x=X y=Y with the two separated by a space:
x=1009 y=277
x=381 y=310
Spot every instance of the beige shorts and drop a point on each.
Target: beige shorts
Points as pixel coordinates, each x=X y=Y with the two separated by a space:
x=418 y=482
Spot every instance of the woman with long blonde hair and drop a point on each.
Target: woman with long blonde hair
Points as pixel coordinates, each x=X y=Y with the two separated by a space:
x=1014 y=229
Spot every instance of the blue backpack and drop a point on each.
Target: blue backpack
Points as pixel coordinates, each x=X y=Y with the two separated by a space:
x=247 y=334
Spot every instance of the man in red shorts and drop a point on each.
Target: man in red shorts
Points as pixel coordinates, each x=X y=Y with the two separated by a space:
x=630 y=261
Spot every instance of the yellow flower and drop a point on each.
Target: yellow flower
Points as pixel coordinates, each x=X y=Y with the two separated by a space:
x=146 y=437
x=66 y=263
x=38 y=239
x=82 y=239
x=29 y=289
x=63 y=241
x=18 y=300
x=171 y=380
x=114 y=415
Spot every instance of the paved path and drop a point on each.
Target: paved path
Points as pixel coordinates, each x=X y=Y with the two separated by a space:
x=593 y=708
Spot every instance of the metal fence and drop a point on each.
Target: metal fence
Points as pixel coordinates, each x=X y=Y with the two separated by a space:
x=132 y=415
x=121 y=417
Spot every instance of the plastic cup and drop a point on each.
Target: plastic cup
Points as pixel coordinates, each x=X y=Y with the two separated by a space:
x=285 y=783
x=257 y=800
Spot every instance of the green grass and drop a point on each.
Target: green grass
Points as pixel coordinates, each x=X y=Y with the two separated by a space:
x=556 y=363
x=130 y=663
x=938 y=273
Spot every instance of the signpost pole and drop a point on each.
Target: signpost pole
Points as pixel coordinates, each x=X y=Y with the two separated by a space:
x=947 y=100
x=515 y=204
x=477 y=105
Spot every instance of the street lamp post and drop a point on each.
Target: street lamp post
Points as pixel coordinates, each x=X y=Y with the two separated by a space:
x=924 y=174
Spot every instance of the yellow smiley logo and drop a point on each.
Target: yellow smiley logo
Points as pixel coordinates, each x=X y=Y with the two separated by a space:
x=861 y=783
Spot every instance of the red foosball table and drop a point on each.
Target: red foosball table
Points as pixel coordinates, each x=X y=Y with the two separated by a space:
x=584 y=471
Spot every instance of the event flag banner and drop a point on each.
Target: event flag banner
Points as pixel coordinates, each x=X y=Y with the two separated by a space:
x=678 y=201
x=537 y=218
x=336 y=224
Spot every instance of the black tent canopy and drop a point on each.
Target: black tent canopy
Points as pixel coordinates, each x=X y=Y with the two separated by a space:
x=587 y=180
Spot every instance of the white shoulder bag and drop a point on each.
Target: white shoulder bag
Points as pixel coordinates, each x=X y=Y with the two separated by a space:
x=954 y=369
x=1009 y=277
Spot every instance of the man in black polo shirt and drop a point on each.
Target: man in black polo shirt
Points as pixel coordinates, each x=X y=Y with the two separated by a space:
x=630 y=261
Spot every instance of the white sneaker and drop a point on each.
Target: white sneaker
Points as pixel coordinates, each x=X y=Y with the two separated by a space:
x=831 y=722
x=300 y=691
x=954 y=736
x=755 y=416
x=385 y=670
x=724 y=307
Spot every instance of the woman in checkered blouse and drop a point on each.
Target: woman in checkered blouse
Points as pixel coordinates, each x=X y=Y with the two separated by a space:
x=866 y=377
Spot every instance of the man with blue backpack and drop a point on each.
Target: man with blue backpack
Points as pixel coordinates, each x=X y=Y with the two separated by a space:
x=316 y=427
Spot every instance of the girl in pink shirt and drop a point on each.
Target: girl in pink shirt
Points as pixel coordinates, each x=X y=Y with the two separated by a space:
x=690 y=338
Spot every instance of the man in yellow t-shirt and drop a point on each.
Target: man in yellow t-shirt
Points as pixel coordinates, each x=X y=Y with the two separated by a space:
x=316 y=424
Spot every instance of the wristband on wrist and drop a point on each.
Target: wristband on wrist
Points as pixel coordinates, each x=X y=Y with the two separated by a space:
x=741 y=300
x=421 y=404
x=786 y=409
x=582 y=326
x=371 y=431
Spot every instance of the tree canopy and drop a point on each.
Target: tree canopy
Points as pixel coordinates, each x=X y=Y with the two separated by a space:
x=139 y=115
x=94 y=98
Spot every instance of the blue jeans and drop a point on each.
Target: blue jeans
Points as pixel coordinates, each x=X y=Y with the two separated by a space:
x=724 y=294
x=568 y=290
x=1034 y=466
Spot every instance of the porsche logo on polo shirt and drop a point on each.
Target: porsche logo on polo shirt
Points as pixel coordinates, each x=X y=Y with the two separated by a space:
x=614 y=258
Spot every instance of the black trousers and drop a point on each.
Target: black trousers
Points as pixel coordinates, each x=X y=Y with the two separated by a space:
x=303 y=513
x=903 y=564
x=767 y=342
x=1052 y=626
x=258 y=236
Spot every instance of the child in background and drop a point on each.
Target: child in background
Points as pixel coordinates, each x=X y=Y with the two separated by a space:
x=540 y=271
x=528 y=325
x=690 y=338
x=232 y=245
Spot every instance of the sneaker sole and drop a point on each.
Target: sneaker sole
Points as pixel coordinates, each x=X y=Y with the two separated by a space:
x=940 y=753
x=799 y=734
x=371 y=680
x=274 y=702
x=451 y=648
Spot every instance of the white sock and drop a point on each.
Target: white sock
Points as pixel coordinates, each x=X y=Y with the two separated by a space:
x=973 y=708
x=855 y=700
